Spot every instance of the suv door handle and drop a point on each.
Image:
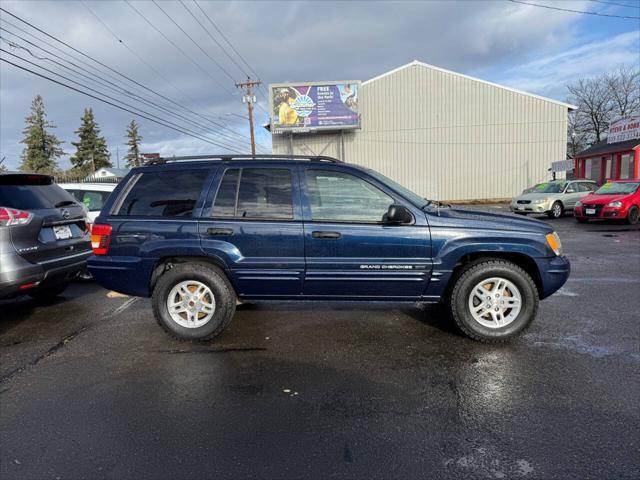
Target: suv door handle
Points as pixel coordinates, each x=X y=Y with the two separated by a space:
x=219 y=231
x=329 y=235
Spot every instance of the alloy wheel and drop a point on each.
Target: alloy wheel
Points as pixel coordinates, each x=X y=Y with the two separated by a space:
x=191 y=304
x=495 y=302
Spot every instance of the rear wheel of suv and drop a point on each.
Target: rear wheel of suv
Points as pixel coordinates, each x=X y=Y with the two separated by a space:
x=493 y=300
x=193 y=301
x=556 y=210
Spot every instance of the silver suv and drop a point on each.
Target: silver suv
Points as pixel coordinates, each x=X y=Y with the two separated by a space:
x=553 y=198
x=44 y=240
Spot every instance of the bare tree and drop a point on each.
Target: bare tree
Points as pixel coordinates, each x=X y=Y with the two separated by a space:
x=624 y=87
x=593 y=99
x=601 y=100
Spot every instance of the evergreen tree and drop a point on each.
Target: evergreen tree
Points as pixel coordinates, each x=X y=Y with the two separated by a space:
x=91 y=149
x=133 y=141
x=42 y=148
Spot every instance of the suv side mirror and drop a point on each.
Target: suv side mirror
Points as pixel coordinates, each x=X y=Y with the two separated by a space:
x=570 y=190
x=399 y=215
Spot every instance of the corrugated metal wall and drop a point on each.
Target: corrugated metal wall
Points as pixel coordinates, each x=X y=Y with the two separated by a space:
x=446 y=136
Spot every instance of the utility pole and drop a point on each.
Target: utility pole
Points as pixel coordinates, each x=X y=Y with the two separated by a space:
x=249 y=98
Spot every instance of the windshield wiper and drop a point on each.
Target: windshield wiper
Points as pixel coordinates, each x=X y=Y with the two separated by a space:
x=64 y=203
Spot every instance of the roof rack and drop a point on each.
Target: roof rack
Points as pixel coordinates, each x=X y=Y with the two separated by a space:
x=310 y=158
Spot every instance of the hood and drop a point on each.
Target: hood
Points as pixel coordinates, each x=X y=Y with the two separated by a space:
x=603 y=199
x=466 y=217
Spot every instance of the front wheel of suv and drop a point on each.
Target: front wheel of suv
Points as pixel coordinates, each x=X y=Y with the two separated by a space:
x=193 y=301
x=493 y=300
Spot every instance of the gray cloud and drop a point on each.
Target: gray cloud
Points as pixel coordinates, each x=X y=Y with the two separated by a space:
x=283 y=41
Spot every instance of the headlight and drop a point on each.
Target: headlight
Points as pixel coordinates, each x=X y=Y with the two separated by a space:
x=578 y=203
x=553 y=240
x=614 y=204
x=540 y=200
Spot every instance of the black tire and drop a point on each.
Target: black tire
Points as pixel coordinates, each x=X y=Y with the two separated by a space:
x=557 y=210
x=212 y=277
x=49 y=293
x=632 y=215
x=478 y=271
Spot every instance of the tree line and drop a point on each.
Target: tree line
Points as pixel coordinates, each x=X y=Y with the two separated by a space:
x=600 y=100
x=43 y=149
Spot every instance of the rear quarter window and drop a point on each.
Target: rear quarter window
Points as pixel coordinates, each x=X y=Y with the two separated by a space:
x=171 y=193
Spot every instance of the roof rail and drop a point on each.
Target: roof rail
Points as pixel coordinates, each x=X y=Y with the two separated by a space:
x=226 y=157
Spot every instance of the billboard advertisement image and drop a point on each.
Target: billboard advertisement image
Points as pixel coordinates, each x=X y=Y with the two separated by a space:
x=317 y=106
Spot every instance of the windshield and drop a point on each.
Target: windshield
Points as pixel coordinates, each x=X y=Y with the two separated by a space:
x=549 y=187
x=617 y=188
x=413 y=197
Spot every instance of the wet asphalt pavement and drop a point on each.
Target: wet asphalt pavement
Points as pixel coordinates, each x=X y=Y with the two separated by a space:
x=92 y=388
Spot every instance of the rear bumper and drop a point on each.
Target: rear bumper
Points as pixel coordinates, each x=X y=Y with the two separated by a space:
x=554 y=273
x=128 y=275
x=16 y=272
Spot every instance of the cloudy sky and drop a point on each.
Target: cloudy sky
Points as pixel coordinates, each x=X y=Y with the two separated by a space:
x=191 y=84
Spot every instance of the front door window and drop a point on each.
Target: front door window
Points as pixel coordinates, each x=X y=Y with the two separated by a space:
x=341 y=197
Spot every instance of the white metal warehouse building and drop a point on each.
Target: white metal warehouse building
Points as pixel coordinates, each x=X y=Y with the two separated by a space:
x=446 y=135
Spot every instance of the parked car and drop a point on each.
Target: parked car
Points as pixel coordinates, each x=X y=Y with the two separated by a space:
x=196 y=236
x=92 y=195
x=616 y=200
x=552 y=198
x=44 y=240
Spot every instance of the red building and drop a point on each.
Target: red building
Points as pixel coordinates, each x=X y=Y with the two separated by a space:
x=615 y=158
x=609 y=161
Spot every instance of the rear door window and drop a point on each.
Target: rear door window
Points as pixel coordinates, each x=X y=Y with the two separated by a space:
x=32 y=192
x=170 y=193
x=259 y=193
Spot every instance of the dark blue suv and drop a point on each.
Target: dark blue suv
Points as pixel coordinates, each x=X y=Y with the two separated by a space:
x=199 y=234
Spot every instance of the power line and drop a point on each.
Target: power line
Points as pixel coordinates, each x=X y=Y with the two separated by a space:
x=110 y=68
x=215 y=40
x=618 y=4
x=114 y=99
x=108 y=103
x=178 y=48
x=195 y=43
x=573 y=11
x=215 y=26
x=102 y=82
x=226 y=39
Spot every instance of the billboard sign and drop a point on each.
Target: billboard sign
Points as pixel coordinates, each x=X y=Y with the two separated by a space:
x=305 y=107
x=626 y=128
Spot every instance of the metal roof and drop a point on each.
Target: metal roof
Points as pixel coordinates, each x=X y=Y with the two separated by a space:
x=443 y=70
x=603 y=147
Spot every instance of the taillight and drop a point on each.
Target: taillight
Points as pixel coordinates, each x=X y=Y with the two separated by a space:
x=13 y=216
x=100 y=238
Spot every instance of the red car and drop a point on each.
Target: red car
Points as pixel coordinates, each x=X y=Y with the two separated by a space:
x=617 y=200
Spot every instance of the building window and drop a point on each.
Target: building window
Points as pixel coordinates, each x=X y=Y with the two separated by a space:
x=626 y=166
x=607 y=174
